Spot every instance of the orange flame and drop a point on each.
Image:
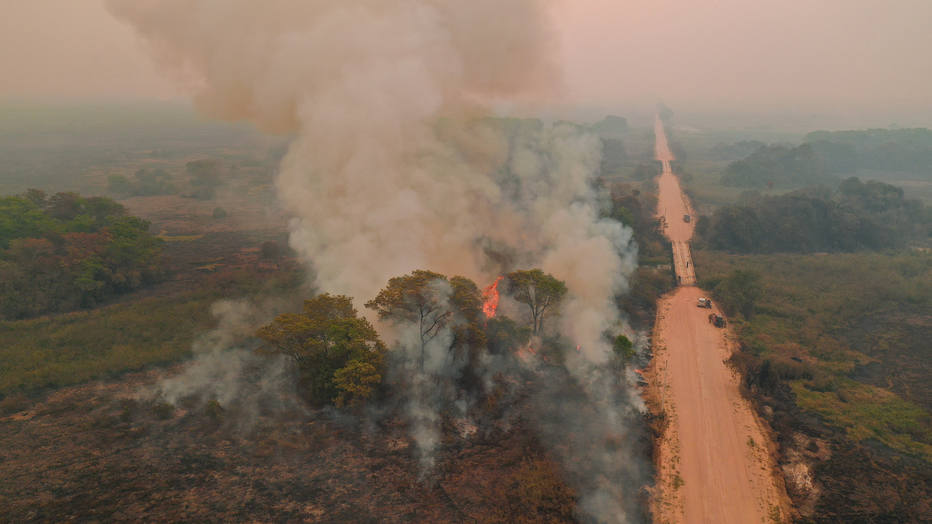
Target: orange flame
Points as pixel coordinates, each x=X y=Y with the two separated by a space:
x=490 y=298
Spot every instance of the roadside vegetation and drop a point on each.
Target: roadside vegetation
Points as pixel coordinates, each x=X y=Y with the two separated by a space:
x=857 y=216
x=628 y=174
x=635 y=208
x=817 y=248
x=835 y=347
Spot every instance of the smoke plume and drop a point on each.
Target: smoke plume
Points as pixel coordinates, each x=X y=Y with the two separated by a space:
x=394 y=165
x=225 y=368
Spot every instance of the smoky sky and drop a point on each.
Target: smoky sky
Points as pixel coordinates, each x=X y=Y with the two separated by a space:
x=855 y=55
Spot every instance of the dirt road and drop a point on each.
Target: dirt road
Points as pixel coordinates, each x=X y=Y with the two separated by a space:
x=673 y=208
x=715 y=461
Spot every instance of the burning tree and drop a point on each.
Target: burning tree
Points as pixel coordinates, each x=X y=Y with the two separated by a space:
x=338 y=354
x=469 y=336
x=433 y=302
x=418 y=299
x=539 y=291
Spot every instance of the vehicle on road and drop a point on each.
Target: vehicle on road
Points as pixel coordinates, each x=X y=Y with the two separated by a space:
x=704 y=302
x=686 y=218
x=716 y=320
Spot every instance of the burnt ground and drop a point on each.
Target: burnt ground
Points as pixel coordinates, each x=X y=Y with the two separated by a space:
x=98 y=452
x=832 y=479
x=91 y=452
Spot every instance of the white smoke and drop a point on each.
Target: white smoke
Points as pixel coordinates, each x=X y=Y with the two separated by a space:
x=362 y=84
x=392 y=167
x=225 y=368
x=421 y=366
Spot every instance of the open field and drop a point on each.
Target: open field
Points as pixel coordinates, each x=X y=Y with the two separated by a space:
x=852 y=330
x=153 y=327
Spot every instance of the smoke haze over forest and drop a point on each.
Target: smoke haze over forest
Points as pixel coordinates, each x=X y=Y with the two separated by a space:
x=862 y=58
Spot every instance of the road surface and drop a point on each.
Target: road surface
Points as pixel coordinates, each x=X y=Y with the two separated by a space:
x=715 y=461
x=673 y=207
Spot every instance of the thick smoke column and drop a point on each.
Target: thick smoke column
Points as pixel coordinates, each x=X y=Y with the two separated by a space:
x=392 y=167
x=361 y=84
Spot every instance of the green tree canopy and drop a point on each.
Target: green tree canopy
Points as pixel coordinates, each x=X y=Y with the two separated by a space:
x=740 y=291
x=539 y=291
x=68 y=251
x=623 y=348
x=415 y=299
x=338 y=354
x=206 y=177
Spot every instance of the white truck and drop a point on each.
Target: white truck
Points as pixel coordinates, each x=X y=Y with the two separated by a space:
x=704 y=302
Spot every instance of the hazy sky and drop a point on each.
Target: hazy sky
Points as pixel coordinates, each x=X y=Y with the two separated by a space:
x=858 y=55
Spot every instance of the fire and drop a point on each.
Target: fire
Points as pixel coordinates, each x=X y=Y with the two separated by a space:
x=490 y=298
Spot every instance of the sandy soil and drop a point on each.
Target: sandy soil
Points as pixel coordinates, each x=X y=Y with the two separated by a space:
x=715 y=460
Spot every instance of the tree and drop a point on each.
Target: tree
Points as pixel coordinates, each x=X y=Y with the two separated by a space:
x=356 y=381
x=36 y=196
x=415 y=299
x=69 y=251
x=469 y=335
x=539 y=291
x=153 y=182
x=623 y=348
x=120 y=185
x=64 y=206
x=132 y=254
x=206 y=177
x=338 y=354
x=22 y=218
x=740 y=291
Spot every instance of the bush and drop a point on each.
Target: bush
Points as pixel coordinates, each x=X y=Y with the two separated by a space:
x=338 y=354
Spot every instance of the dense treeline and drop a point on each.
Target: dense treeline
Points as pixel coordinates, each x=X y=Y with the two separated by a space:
x=145 y=182
x=859 y=215
x=738 y=150
x=778 y=166
x=205 y=177
x=341 y=359
x=908 y=150
x=611 y=126
x=635 y=209
x=824 y=155
x=65 y=251
x=614 y=156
